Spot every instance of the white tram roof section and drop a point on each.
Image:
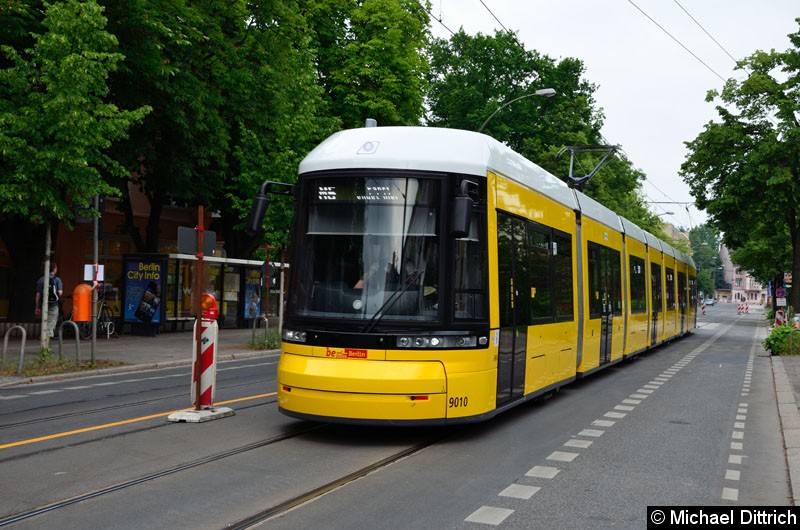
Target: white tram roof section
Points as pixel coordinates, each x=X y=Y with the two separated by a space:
x=633 y=231
x=594 y=210
x=432 y=149
x=652 y=241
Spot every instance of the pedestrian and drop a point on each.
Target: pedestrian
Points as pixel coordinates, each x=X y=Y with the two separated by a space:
x=53 y=298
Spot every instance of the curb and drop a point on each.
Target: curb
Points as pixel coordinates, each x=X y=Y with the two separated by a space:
x=790 y=425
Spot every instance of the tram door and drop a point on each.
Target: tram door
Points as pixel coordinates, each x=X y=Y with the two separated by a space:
x=512 y=278
x=604 y=292
x=655 y=279
x=682 y=299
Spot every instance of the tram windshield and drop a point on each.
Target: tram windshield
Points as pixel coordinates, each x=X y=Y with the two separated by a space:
x=368 y=249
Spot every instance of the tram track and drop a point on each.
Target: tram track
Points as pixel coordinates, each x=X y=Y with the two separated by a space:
x=313 y=494
x=210 y=459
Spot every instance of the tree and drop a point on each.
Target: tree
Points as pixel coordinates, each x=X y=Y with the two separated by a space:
x=471 y=77
x=705 y=253
x=380 y=66
x=57 y=128
x=745 y=169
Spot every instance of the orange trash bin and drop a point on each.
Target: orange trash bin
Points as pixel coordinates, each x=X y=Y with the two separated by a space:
x=82 y=303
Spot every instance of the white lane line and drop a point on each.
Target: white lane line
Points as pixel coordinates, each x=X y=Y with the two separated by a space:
x=489 y=515
x=732 y=474
x=596 y=433
x=518 y=491
x=580 y=444
x=542 y=472
x=730 y=494
x=562 y=456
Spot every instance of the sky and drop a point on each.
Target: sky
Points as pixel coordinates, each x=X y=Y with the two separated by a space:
x=651 y=83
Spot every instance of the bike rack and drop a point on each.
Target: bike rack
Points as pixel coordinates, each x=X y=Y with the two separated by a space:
x=21 y=347
x=77 y=340
x=266 y=326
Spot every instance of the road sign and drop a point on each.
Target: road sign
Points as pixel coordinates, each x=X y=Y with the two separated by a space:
x=187 y=241
x=780 y=292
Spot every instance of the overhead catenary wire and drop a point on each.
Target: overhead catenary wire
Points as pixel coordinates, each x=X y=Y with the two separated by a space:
x=707 y=33
x=493 y=15
x=682 y=45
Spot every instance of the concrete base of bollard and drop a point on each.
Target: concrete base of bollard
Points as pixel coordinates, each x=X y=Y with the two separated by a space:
x=199 y=416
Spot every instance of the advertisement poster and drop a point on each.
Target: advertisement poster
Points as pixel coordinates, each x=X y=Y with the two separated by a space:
x=252 y=300
x=144 y=286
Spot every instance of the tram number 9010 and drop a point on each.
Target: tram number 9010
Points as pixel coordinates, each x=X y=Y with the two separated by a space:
x=458 y=401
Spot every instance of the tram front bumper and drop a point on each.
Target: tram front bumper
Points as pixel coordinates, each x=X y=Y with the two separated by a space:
x=328 y=389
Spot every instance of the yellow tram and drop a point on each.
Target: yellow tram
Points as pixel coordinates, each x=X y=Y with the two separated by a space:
x=439 y=277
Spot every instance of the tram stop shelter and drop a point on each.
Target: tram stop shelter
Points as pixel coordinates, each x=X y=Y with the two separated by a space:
x=157 y=291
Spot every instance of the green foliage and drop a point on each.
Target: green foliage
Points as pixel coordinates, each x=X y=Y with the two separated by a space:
x=382 y=67
x=705 y=243
x=56 y=123
x=272 y=340
x=744 y=170
x=783 y=340
x=471 y=77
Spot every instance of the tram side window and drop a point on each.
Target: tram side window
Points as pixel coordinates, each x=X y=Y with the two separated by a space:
x=655 y=278
x=682 y=291
x=550 y=261
x=541 y=295
x=638 y=286
x=615 y=289
x=670 y=289
x=469 y=283
x=562 y=276
x=595 y=300
x=605 y=281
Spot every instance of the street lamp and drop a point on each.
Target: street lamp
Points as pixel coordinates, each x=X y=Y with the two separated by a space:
x=665 y=213
x=546 y=92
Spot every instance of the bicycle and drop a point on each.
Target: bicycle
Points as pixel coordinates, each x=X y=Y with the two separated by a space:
x=105 y=322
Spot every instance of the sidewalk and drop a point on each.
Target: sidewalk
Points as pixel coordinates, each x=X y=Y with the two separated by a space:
x=136 y=352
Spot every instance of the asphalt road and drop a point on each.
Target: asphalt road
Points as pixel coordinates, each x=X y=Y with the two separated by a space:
x=692 y=423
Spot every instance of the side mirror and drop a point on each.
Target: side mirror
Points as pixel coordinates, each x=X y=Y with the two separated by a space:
x=462 y=215
x=257 y=212
x=462 y=209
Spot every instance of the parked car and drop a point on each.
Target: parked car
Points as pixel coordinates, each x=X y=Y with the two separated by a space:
x=710 y=301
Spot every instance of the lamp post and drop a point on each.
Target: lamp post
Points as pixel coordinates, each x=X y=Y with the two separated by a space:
x=546 y=92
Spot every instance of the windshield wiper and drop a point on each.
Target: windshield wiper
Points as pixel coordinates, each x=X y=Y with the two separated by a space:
x=411 y=278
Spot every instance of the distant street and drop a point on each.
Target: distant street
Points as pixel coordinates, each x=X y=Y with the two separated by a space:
x=691 y=423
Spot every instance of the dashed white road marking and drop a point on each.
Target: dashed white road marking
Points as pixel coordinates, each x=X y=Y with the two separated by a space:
x=519 y=491
x=581 y=444
x=489 y=515
x=592 y=432
x=562 y=456
x=542 y=472
x=495 y=516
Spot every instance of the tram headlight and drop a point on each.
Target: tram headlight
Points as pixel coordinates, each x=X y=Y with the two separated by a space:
x=291 y=335
x=437 y=341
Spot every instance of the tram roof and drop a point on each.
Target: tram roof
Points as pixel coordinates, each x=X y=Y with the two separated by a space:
x=457 y=151
x=432 y=149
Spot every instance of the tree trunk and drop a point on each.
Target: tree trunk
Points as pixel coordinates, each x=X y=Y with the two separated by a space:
x=25 y=245
x=794 y=291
